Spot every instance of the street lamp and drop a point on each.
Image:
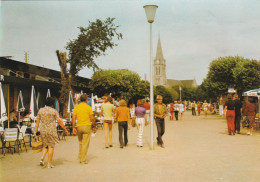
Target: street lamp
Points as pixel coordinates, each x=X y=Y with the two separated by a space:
x=150 y=11
x=180 y=92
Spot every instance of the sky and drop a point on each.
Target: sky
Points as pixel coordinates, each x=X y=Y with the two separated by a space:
x=192 y=32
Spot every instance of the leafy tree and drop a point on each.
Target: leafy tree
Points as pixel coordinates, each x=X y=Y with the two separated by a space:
x=163 y=91
x=231 y=72
x=119 y=83
x=92 y=41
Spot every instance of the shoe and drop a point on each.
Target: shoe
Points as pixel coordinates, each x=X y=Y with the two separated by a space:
x=162 y=146
x=248 y=133
x=84 y=162
x=121 y=147
x=140 y=146
x=41 y=163
x=137 y=145
x=106 y=146
x=110 y=145
x=50 y=166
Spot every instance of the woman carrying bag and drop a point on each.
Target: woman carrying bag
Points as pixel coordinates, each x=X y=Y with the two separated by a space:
x=48 y=116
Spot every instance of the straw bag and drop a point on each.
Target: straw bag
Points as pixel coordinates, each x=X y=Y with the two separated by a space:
x=36 y=144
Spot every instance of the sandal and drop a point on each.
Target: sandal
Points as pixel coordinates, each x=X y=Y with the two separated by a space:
x=50 y=166
x=41 y=163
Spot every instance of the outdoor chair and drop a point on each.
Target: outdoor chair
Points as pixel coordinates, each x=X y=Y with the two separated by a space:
x=2 y=140
x=61 y=135
x=11 y=135
x=21 y=137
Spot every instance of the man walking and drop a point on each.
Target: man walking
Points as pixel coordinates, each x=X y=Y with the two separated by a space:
x=193 y=106
x=238 y=111
x=84 y=115
x=160 y=112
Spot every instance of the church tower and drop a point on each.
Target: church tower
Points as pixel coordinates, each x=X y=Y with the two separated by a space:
x=159 y=74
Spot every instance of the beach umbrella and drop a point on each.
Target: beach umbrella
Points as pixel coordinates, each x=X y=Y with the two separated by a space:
x=70 y=104
x=20 y=106
x=48 y=93
x=3 y=116
x=33 y=105
x=92 y=102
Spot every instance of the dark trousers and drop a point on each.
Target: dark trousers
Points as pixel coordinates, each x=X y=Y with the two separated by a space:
x=193 y=111
x=237 y=122
x=123 y=125
x=160 y=129
x=176 y=114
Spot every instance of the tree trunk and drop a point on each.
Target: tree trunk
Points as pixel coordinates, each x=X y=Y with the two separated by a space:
x=64 y=92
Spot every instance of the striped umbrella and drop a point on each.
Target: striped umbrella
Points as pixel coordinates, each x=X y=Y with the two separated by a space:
x=3 y=116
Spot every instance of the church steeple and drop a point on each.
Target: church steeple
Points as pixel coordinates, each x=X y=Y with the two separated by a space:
x=159 y=53
x=159 y=74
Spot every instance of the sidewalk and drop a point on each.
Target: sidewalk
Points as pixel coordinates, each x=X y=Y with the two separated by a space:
x=196 y=149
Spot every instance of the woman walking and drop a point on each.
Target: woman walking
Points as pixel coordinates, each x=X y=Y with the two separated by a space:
x=230 y=115
x=48 y=116
x=171 y=110
x=176 y=110
x=181 y=109
x=250 y=112
x=205 y=108
x=107 y=112
x=198 y=108
x=123 y=117
x=141 y=121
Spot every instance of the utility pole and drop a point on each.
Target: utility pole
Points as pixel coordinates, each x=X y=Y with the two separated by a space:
x=26 y=57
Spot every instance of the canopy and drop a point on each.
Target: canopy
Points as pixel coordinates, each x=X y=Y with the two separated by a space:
x=255 y=93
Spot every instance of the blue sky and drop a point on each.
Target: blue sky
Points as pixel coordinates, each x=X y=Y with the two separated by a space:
x=193 y=33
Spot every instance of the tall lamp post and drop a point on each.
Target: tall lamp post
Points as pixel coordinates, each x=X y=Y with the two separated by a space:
x=150 y=11
x=180 y=92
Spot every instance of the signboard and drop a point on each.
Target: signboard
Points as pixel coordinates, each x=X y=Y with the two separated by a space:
x=231 y=91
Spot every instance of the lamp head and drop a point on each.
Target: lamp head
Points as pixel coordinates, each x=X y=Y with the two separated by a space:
x=150 y=11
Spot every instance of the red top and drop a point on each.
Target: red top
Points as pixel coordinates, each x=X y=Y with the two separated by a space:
x=147 y=106
x=171 y=107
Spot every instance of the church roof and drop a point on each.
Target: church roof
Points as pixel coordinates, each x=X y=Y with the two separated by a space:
x=183 y=83
x=159 y=53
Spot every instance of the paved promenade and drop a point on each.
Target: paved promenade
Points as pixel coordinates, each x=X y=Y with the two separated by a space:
x=197 y=149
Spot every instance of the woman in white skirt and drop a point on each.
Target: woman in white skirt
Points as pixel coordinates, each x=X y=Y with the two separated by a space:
x=181 y=109
x=141 y=121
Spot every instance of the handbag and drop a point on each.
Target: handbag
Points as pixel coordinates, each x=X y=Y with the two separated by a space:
x=245 y=123
x=36 y=144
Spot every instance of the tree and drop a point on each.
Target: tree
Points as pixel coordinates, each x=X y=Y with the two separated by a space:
x=231 y=72
x=119 y=83
x=163 y=91
x=91 y=42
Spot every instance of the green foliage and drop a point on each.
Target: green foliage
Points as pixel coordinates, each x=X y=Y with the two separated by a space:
x=120 y=83
x=186 y=93
x=92 y=42
x=166 y=93
x=231 y=72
